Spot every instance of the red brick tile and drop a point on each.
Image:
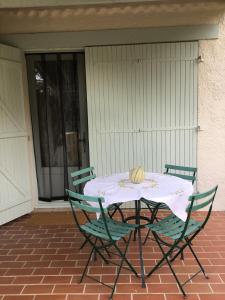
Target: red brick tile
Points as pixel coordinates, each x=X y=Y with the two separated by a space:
x=54 y=257
x=213 y=278
x=111 y=278
x=19 y=297
x=64 y=263
x=130 y=288
x=3 y=271
x=22 y=271
x=96 y=288
x=117 y=297
x=218 y=288
x=153 y=279
x=192 y=262
x=29 y=241
x=57 y=279
x=11 y=264
x=72 y=271
x=167 y=278
x=197 y=288
x=212 y=297
x=68 y=288
x=36 y=246
x=50 y=297
x=218 y=261
x=215 y=269
x=44 y=251
x=5 y=252
x=10 y=289
x=102 y=270
x=60 y=269
x=70 y=251
x=6 y=280
x=181 y=297
x=162 y=288
x=148 y=297
x=38 y=264
x=46 y=271
x=59 y=245
x=28 y=257
x=76 y=279
x=28 y=279
x=21 y=251
x=37 y=289
x=83 y=297
x=8 y=258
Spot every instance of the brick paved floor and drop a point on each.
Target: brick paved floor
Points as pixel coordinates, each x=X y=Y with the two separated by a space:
x=44 y=263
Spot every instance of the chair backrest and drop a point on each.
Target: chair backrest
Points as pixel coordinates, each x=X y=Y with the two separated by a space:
x=190 y=172
x=81 y=202
x=197 y=202
x=80 y=177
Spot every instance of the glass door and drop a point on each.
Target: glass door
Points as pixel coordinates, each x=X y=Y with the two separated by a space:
x=59 y=119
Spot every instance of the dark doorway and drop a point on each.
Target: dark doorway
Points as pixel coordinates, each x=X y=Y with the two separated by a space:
x=59 y=119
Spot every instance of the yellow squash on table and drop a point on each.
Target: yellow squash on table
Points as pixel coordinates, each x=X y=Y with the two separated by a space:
x=137 y=175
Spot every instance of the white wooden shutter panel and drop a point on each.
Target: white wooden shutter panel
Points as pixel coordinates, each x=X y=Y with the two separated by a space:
x=15 y=192
x=142 y=106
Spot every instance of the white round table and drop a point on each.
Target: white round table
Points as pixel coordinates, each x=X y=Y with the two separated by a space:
x=171 y=190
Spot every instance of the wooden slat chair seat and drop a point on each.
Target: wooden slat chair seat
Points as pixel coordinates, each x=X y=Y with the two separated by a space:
x=118 y=230
x=176 y=234
x=102 y=233
x=173 y=227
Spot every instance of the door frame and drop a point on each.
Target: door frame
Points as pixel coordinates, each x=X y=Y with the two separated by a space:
x=83 y=139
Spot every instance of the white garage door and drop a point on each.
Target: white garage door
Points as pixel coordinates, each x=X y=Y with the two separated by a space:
x=142 y=106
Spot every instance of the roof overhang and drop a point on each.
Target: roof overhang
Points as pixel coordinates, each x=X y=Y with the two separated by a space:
x=68 y=15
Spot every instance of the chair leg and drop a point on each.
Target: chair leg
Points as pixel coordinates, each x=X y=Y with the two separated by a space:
x=124 y=257
x=165 y=255
x=86 y=266
x=120 y=267
x=120 y=212
x=84 y=243
x=196 y=258
x=106 y=250
x=153 y=217
x=135 y=234
x=96 y=249
x=146 y=238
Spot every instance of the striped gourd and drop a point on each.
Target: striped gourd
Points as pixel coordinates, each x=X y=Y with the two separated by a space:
x=137 y=175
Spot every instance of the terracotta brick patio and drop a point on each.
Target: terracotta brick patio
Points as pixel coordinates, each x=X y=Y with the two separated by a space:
x=44 y=263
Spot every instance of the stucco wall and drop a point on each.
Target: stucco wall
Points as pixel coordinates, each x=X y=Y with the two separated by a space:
x=211 y=141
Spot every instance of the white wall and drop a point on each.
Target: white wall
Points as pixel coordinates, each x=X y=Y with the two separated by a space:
x=211 y=101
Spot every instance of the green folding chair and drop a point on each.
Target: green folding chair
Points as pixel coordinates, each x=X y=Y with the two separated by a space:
x=188 y=173
x=80 y=178
x=102 y=233
x=180 y=234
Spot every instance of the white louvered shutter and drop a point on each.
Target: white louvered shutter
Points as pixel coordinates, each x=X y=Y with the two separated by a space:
x=142 y=106
x=15 y=192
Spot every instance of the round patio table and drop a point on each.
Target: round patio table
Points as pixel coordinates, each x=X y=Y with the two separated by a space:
x=160 y=188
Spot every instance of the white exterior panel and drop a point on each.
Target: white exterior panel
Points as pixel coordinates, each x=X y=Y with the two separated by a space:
x=15 y=188
x=142 y=106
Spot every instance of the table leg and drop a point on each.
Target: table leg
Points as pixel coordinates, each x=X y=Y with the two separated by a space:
x=138 y=208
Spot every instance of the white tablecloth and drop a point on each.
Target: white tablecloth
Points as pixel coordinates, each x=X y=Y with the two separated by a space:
x=170 y=190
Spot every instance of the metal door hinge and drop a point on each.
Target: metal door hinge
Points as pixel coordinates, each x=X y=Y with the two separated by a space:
x=200 y=59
